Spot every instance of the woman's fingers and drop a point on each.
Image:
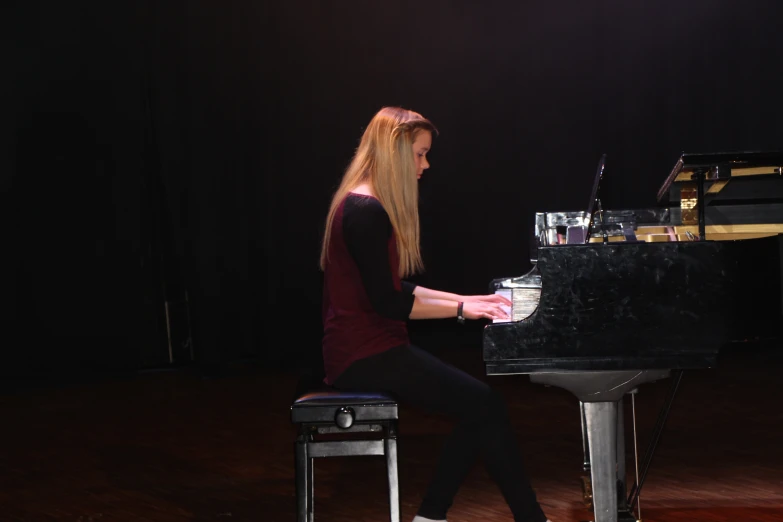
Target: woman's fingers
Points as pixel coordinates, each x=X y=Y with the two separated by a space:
x=497 y=312
x=497 y=298
x=479 y=310
x=492 y=298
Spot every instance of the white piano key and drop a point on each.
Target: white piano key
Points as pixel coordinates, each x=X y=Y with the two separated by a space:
x=507 y=293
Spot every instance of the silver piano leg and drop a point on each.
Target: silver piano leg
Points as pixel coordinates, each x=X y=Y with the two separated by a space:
x=601 y=393
x=587 y=488
x=602 y=438
x=623 y=511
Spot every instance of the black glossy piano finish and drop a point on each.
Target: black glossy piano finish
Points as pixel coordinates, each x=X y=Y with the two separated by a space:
x=624 y=306
x=612 y=315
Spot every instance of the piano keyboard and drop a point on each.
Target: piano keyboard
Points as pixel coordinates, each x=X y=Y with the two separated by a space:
x=524 y=303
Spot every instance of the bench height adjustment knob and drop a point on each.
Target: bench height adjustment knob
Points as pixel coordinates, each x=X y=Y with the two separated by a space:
x=344 y=417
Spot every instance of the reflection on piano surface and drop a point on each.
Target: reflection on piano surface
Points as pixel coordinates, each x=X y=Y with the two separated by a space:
x=617 y=298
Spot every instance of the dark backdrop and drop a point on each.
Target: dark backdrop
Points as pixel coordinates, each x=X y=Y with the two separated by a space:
x=188 y=149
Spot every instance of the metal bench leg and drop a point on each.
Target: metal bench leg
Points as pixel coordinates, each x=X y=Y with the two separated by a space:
x=390 y=449
x=304 y=482
x=311 y=492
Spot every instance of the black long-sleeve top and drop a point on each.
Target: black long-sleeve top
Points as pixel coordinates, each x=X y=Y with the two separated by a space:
x=366 y=304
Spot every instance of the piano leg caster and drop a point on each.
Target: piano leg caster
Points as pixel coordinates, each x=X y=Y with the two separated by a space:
x=587 y=492
x=622 y=516
x=623 y=513
x=626 y=516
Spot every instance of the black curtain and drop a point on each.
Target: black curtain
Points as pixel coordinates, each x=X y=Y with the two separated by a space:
x=163 y=150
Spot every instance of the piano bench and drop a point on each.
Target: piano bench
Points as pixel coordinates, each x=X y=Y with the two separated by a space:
x=343 y=424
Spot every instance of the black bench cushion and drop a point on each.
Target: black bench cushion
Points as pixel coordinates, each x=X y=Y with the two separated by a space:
x=321 y=406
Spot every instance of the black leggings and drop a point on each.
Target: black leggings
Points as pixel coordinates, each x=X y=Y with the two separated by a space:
x=483 y=428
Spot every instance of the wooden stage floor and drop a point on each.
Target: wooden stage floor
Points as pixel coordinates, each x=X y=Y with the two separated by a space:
x=173 y=446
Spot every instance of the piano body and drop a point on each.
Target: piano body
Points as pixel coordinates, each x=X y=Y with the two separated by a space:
x=616 y=299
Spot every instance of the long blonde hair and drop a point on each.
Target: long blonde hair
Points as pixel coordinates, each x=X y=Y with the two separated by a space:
x=384 y=160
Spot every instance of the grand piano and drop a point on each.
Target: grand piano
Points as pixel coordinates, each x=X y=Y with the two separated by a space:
x=620 y=298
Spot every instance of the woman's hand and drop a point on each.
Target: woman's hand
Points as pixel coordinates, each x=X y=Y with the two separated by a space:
x=490 y=298
x=434 y=304
x=488 y=307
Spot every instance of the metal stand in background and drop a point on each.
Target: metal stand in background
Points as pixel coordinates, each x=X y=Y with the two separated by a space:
x=699 y=175
x=179 y=334
x=624 y=511
x=604 y=233
x=635 y=451
x=633 y=499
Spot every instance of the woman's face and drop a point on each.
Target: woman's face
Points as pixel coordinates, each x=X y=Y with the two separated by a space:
x=421 y=146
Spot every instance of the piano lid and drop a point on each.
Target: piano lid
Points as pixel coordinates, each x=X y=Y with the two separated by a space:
x=721 y=165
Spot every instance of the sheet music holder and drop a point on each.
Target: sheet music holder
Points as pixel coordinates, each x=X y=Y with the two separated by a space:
x=599 y=174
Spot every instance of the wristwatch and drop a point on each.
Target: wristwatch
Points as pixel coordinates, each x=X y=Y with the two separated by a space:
x=460 y=317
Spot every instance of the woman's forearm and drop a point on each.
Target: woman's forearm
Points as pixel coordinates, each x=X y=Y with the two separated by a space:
x=430 y=308
x=427 y=293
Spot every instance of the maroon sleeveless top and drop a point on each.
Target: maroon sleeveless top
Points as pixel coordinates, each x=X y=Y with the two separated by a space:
x=365 y=303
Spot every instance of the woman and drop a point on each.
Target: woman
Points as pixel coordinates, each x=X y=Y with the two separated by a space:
x=371 y=243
